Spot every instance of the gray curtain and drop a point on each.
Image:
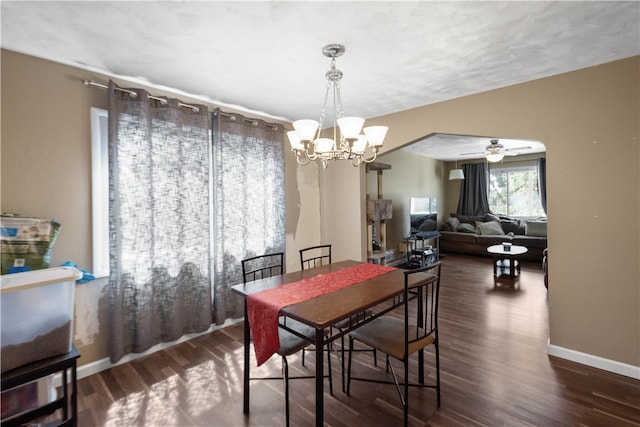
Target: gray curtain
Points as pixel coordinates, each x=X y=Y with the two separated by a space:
x=249 y=204
x=474 y=193
x=542 y=182
x=159 y=215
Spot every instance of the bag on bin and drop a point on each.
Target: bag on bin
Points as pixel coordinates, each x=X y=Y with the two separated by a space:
x=27 y=239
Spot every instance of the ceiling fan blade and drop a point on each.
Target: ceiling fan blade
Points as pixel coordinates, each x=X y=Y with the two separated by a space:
x=518 y=148
x=473 y=154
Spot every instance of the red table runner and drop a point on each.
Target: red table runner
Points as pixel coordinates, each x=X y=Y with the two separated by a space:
x=263 y=307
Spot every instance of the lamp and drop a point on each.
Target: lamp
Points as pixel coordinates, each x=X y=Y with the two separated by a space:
x=456 y=173
x=347 y=142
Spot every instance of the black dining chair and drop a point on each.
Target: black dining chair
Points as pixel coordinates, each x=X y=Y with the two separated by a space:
x=405 y=331
x=317 y=256
x=263 y=266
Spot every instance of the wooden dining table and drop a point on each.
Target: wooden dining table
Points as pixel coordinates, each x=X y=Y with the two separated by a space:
x=320 y=312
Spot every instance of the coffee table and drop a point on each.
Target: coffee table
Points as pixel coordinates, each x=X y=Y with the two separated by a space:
x=506 y=262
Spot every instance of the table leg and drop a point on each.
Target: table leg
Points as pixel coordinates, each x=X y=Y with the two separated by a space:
x=319 y=378
x=245 y=375
x=65 y=395
x=74 y=394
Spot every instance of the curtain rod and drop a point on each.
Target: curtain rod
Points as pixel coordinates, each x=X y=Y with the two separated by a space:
x=231 y=117
x=134 y=94
x=254 y=122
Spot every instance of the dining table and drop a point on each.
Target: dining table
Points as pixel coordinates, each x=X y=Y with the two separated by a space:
x=322 y=309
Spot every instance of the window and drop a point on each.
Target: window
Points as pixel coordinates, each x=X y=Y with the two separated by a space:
x=513 y=191
x=100 y=190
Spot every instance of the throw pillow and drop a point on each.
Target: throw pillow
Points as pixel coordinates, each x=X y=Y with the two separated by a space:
x=537 y=228
x=452 y=222
x=490 y=228
x=466 y=228
x=510 y=226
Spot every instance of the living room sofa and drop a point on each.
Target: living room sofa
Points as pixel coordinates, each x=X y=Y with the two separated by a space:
x=474 y=234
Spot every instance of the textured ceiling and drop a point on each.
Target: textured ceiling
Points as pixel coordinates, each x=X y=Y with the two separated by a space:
x=265 y=57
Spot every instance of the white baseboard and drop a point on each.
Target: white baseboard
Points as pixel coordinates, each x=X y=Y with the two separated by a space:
x=104 y=364
x=594 y=361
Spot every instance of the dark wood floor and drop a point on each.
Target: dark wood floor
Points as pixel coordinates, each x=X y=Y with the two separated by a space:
x=494 y=367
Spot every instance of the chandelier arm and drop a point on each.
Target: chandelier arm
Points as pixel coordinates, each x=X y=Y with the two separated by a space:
x=306 y=160
x=372 y=159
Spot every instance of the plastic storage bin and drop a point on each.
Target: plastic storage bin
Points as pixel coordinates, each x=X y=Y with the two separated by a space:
x=37 y=315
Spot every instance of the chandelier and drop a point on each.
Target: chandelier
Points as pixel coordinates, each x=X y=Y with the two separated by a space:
x=347 y=142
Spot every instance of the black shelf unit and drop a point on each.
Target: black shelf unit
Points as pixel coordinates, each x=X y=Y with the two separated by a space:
x=25 y=374
x=419 y=252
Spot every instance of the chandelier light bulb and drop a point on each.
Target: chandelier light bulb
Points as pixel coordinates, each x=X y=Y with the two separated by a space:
x=294 y=140
x=350 y=127
x=324 y=145
x=306 y=129
x=360 y=144
x=375 y=135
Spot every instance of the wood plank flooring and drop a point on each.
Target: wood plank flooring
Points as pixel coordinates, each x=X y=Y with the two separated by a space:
x=494 y=370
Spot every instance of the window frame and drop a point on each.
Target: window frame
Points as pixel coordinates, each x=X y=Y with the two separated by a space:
x=100 y=191
x=511 y=169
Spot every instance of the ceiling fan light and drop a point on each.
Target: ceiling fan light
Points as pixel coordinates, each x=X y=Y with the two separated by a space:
x=350 y=127
x=494 y=157
x=306 y=129
x=375 y=135
x=456 y=174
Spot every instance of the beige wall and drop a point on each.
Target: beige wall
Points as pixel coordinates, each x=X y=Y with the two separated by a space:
x=410 y=176
x=46 y=173
x=589 y=121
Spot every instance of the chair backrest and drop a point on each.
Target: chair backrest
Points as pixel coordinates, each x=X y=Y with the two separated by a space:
x=421 y=295
x=261 y=266
x=315 y=256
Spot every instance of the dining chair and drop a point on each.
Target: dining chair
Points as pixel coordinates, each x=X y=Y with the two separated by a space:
x=263 y=266
x=315 y=256
x=405 y=331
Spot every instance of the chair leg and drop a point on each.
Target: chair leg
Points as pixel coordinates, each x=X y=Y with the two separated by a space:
x=303 y=357
x=349 y=367
x=421 y=366
x=342 y=361
x=285 y=376
x=437 y=370
x=406 y=390
x=329 y=368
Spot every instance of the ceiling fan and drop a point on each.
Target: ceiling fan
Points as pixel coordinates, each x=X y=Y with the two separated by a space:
x=494 y=152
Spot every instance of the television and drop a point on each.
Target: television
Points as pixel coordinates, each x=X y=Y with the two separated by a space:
x=424 y=215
